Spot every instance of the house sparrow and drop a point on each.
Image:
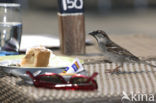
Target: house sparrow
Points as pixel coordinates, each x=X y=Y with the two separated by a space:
x=114 y=52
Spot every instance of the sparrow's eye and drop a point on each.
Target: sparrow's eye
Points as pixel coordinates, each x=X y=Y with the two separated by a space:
x=96 y=32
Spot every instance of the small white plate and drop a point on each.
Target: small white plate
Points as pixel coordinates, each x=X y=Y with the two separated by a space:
x=57 y=65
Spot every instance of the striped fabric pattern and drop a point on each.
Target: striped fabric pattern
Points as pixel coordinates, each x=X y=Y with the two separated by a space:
x=136 y=78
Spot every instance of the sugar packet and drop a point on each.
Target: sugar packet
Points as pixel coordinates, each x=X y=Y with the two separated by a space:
x=75 y=67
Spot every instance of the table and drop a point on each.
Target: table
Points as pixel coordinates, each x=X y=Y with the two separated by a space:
x=134 y=78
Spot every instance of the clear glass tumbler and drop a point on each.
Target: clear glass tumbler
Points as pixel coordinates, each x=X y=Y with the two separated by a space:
x=10 y=28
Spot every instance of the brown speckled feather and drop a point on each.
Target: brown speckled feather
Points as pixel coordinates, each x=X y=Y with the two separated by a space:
x=112 y=47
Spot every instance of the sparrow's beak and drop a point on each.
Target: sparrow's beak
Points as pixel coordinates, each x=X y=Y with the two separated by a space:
x=92 y=34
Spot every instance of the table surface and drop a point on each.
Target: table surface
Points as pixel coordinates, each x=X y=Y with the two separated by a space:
x=136 y=78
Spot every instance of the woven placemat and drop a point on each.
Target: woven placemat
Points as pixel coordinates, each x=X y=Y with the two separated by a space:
x=136 y=78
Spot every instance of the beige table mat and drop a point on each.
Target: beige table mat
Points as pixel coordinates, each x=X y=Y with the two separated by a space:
x=137 y=78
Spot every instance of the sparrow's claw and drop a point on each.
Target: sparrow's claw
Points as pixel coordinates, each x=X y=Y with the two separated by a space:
x=112 y=71
x=116 y=70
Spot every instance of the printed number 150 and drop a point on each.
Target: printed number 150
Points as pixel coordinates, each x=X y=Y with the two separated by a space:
x=72 y=4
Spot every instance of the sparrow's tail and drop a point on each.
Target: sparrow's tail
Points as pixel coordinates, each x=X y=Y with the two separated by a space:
x=144 y=62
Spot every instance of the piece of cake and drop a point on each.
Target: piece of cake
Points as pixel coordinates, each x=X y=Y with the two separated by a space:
x=36 y=57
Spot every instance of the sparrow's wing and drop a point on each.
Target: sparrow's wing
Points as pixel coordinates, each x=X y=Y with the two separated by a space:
x=114 y=48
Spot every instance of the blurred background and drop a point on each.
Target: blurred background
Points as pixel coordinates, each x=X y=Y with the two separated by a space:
x=113 y=16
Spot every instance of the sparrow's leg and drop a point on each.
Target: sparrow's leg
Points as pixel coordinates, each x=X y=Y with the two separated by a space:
x=116 y=70
x=97 y=61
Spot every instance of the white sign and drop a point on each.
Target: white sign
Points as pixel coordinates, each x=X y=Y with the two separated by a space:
x=70 y=4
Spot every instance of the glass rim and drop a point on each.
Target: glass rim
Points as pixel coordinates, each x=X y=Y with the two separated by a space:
x=10 y=5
